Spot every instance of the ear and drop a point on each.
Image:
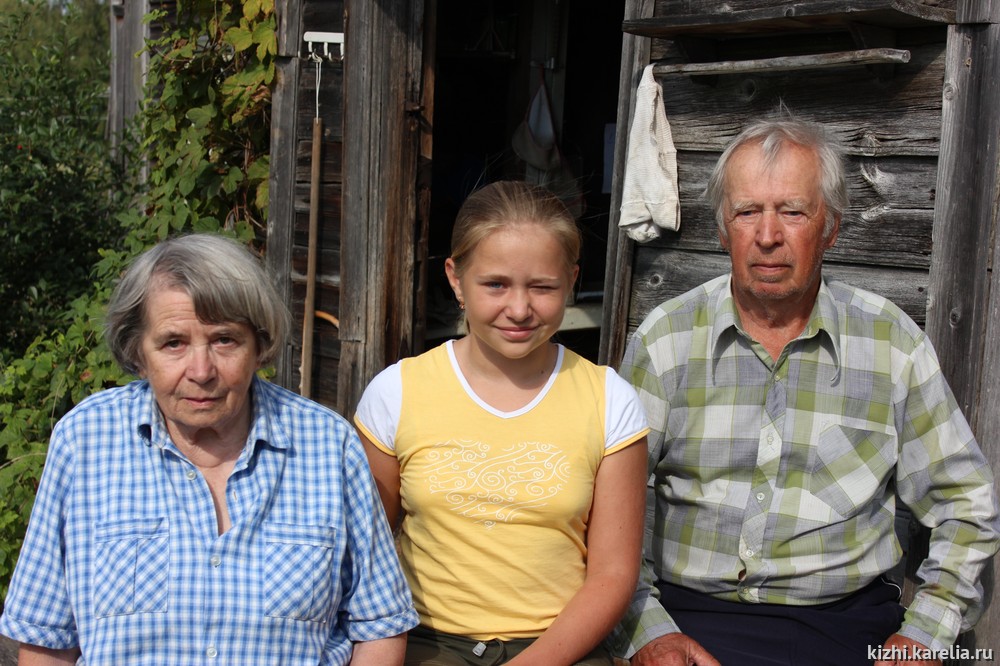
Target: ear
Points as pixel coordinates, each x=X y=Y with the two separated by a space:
x=449 y=271
x=832 y=238
x=576 y=274
x=723 y=239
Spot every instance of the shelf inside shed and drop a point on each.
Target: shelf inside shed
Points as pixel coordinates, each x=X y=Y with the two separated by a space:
x=792 y=17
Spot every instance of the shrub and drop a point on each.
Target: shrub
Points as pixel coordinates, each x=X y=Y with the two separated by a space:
x=204 y=132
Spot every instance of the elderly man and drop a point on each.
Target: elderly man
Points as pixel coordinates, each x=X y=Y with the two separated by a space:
x=788 y=412
x=202 y=514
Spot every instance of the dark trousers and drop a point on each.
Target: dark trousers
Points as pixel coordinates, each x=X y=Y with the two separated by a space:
x=426 y=647
x=839 y=633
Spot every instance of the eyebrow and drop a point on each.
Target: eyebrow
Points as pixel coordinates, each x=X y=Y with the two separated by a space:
x=798 y=204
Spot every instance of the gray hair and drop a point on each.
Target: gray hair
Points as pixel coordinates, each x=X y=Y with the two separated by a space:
x=773 y=135
x=225 y=281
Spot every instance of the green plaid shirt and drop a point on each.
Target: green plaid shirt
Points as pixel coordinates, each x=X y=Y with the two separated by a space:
x=776 y=481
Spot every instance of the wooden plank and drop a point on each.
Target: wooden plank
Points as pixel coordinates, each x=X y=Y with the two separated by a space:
x=664 y=274
x=965 y=214
x=281 y=212
x=380 y=154
x=741 y=17
x=963 y=282
x=879 y=56
x=978 y=11
x=331 y=100
x=899 y=116
x=289 y=27
x=618 y=269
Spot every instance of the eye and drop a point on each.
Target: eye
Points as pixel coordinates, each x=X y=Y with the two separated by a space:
x=749 y=215
x=493 y=284
x=172 y=344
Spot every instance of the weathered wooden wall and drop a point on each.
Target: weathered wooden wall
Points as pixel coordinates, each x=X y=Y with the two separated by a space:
x=890 y=127
x=294 y=108
x=924 y=174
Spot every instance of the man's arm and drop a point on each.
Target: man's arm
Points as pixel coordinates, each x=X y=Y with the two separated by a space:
x=944 y=478
x=383 y=652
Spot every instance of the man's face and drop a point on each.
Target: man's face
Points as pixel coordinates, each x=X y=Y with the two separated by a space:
x=774 y=219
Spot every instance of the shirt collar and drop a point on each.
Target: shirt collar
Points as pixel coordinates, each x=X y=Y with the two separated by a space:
x=825 y=318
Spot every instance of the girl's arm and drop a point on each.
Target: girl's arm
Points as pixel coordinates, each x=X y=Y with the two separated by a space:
x=614 y=546
x=385 y=469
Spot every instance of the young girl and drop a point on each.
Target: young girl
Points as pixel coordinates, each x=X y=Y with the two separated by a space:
x=517 y=468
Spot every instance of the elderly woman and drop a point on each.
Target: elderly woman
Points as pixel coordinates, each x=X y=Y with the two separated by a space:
x=202 y=514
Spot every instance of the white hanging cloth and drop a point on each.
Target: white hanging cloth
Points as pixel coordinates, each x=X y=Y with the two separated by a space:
x=650 y=200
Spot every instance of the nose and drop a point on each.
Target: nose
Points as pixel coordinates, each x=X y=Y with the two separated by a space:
x=201 y=363
x=770 y=231
x=519 y=305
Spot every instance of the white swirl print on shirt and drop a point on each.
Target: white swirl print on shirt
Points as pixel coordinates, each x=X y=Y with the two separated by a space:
x=496 y=488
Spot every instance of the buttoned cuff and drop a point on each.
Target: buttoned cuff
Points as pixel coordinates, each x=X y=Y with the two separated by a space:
x=644 y=622
x=932 y=622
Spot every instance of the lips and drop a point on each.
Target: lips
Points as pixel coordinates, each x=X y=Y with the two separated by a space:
x=517 y=333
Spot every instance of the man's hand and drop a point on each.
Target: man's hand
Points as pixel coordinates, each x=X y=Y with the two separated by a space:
x=897 y=646
x=673 y=650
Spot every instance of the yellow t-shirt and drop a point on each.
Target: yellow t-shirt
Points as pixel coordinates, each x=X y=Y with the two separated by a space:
x=496 y=504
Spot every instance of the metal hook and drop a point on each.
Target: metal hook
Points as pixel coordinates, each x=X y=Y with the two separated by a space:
x=313 y=38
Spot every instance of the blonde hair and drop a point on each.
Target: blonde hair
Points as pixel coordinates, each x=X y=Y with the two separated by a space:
x=506 y=204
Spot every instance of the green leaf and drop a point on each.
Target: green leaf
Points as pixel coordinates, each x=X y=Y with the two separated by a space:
x=201 y=116
x=239 y=38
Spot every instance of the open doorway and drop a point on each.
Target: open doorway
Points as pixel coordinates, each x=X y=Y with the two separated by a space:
x=496 y=64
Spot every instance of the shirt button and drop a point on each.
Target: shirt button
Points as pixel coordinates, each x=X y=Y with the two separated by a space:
x=191 y=474
x=211 y=653
x=749 y=552
x=760 y=497
x=215 y=560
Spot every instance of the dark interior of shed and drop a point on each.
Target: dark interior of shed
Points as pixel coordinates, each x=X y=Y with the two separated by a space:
x=491 y=60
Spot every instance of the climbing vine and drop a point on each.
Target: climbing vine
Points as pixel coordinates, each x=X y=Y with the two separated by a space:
x=199 y=163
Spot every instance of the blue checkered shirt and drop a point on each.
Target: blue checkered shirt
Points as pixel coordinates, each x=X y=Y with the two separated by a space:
x=123 y=558
x=775 y=481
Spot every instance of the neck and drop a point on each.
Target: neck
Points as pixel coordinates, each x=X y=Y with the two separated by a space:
x=484 y=362
x=774 y=324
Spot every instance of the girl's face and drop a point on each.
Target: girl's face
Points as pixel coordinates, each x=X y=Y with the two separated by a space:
x=514 y=287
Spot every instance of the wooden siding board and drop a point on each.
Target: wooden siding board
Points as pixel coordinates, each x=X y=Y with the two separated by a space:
x=293 y=109
x=382 y=76
x=967 y=192
x=896 y=117
x=963 y=284
x=281 y=212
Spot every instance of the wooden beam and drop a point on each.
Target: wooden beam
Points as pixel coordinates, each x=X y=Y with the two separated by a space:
x=281 y=182
x=964 y=288
x=382 y=75
x=618 y=272
x=978 y=11
x=878 y=56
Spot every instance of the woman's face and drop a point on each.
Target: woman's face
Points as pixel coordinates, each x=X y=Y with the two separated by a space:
x=514 y=286
x=200 y=373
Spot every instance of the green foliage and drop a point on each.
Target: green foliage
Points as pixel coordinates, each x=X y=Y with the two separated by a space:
x=204 y=132
x=55 y=172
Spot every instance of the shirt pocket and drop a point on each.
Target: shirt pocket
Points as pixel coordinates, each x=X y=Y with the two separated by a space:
x=131 y=566
x=851 y=466
x=302 y=565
